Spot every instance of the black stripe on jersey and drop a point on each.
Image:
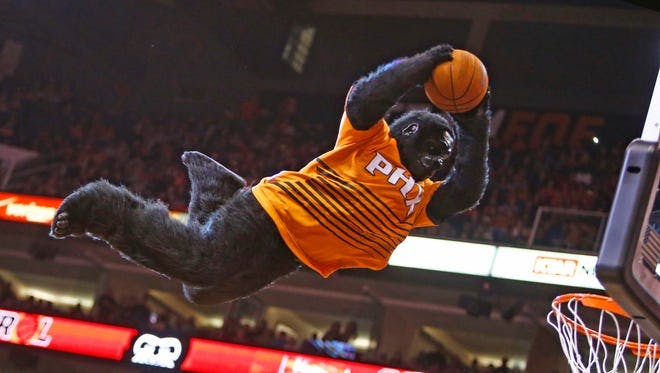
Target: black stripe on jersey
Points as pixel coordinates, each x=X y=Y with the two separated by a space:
x=351 y=190
x=335 y=220
x=396 y=223
x=375 y=197
x=288 y=188
x=335 y=191
x=346 y=218
x=293 y=197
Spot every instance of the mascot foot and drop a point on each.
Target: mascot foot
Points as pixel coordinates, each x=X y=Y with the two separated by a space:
x=209 y=175
x=92 y=209
x=212 y=184
x=63 y=226
x=72 y=215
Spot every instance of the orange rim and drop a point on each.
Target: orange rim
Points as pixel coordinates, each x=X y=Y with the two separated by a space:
x=601 y=303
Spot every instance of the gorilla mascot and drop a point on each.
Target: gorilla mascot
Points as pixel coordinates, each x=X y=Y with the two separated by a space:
x=348 y=208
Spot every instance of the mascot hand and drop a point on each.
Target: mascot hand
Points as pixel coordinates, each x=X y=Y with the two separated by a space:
x=440 y=53
x=476 y=121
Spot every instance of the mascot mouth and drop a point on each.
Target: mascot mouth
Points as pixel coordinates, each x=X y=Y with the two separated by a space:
x=425 y=168
x=433 y=162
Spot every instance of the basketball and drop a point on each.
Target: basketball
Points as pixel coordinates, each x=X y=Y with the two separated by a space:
x=458 y=85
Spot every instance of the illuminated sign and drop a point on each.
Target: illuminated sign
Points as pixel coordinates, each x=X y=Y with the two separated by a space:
x=39 y=210
x=28 y=209
x=544 y=265
x=206 y=356
x=113 y=342
x=548 y=267
x=149 y=349
x=444 y=255
x=20 y=328
x=57 y=333
x=512 y=263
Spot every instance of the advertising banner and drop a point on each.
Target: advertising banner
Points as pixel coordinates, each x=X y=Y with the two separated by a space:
x=68 y=335
x=131 y=346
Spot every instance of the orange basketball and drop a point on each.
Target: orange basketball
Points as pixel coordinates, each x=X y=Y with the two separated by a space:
x=458 y=85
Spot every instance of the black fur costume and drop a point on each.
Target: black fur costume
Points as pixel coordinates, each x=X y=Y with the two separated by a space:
x=230 y=247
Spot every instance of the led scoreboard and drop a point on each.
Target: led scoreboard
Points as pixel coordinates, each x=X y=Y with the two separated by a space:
x=132 y=346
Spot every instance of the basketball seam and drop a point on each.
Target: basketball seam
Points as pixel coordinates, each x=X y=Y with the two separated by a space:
x=467 y=89
x=451 y=81
x=437 y=89
x=454 y=99
x=464 y=101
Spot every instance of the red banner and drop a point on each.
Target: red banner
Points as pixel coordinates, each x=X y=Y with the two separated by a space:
x=200 y=355
x=206 y=356
x=40 y=210
x=56 y=333
x=28 y=209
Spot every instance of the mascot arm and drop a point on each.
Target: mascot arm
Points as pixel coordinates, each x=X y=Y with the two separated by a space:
x=468 y=178
x=372 y=95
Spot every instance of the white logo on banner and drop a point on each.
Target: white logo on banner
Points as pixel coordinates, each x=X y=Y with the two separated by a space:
x=149 y=349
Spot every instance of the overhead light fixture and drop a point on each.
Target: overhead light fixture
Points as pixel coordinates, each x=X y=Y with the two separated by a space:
x=298 y=46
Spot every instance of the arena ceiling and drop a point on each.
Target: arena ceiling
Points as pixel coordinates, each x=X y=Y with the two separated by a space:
x=566 y=55
x=598 y=56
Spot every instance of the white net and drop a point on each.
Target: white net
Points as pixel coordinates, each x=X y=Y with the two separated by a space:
x=597 y=336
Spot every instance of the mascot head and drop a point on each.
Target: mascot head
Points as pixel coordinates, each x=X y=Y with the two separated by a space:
x=426 y=141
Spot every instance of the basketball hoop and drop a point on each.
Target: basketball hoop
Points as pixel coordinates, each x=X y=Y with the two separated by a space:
x=608 y=347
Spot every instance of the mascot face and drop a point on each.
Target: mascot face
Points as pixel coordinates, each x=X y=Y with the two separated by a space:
x=425 y=141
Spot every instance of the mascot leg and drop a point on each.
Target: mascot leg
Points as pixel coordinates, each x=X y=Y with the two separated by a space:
x=238 y=251
x=212 y=184
x=141 y=230
x=238 y=286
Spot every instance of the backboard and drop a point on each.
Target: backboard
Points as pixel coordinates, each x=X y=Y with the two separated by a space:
x=628 y=263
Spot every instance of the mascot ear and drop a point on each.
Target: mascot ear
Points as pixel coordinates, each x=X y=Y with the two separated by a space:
x=410 y=129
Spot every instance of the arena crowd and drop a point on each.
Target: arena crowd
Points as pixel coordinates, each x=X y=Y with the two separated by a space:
x=80 y=142
x=133 y=311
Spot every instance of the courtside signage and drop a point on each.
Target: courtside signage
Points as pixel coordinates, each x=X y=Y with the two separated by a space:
x=213 y=356
x=39 y=210
x=128 y=345
x=28 y=209
x=163 y=352
x=548 y=267
x=444 y=255
x=61 y=334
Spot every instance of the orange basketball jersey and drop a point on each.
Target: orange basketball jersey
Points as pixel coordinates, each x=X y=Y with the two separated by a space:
x=350 y=207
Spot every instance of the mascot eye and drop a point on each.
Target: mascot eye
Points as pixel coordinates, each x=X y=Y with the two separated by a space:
x=447 y=140
x=432 y=148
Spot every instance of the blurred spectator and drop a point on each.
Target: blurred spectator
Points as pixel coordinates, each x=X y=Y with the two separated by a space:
x=348 y=332
x=77 y=312
x=503 y=368
x=260 y=334
x=333 y=333
x=281 y=340
x=135 y=311
x=105 y=307
x=7 y=293
x=308 y=346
